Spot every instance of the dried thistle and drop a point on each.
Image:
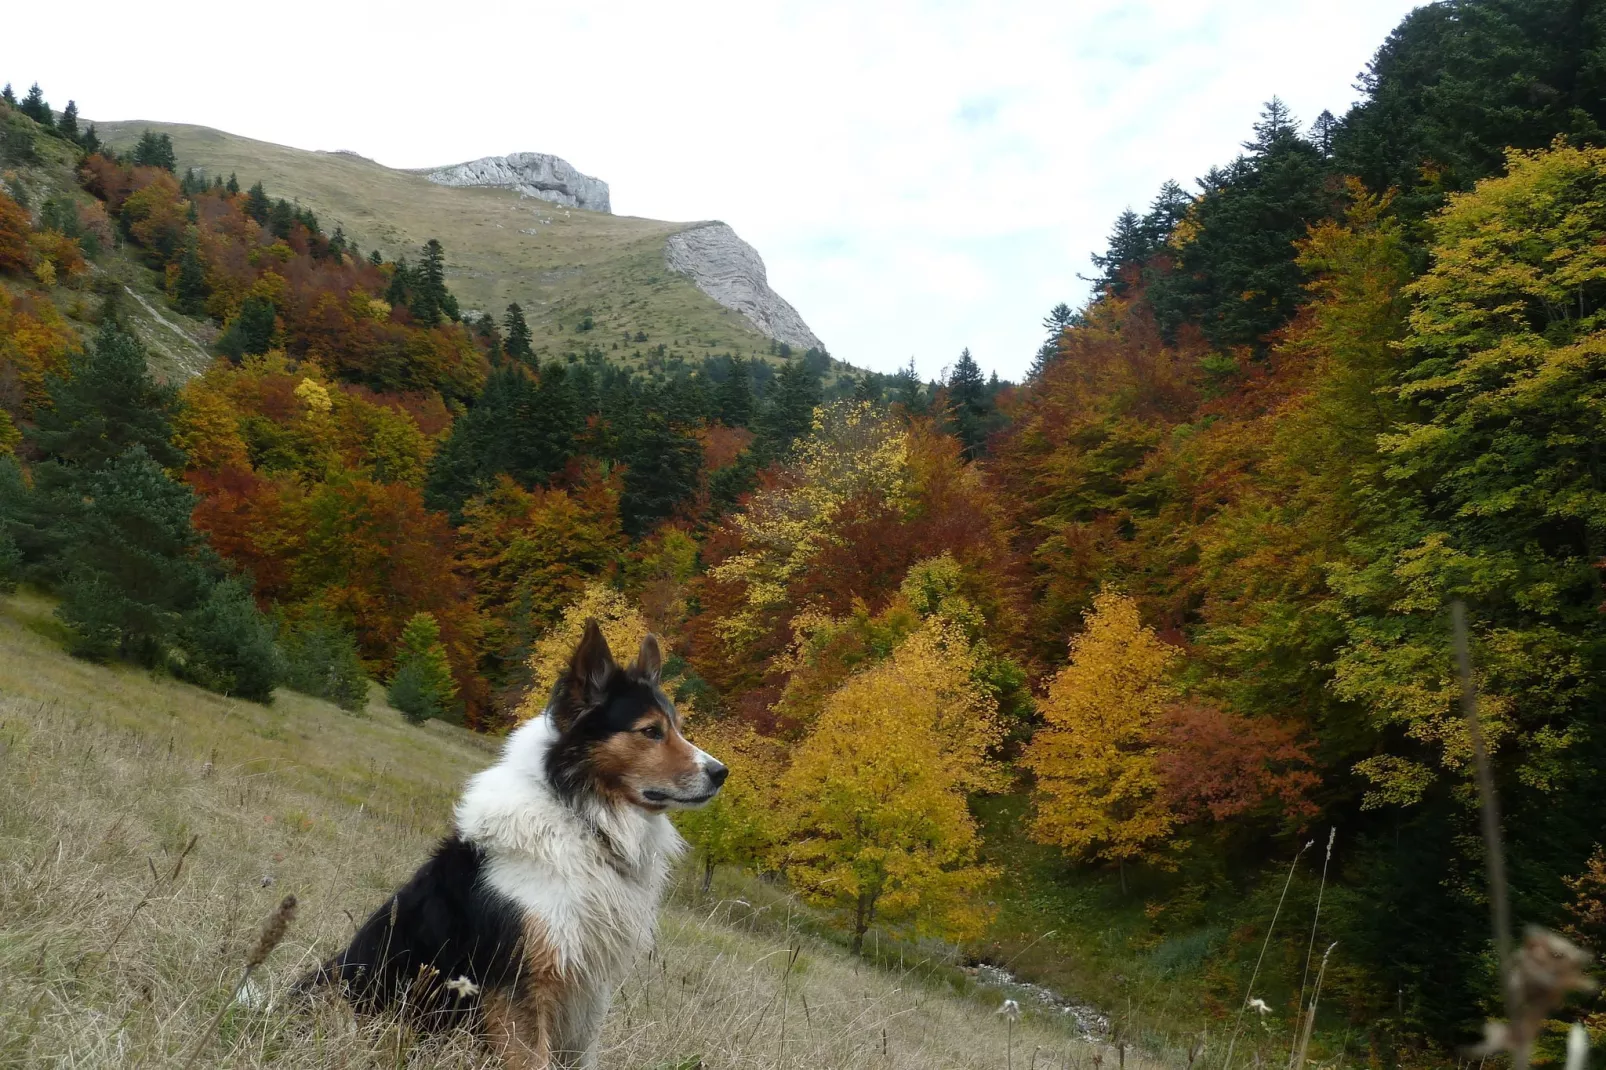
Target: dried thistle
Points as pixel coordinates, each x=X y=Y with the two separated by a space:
x=1544 y=971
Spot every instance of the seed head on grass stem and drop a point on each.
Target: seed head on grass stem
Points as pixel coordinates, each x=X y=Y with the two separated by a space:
x=272 y=935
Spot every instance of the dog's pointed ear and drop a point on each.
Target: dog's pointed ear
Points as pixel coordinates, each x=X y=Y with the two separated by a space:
x=650 y=660
x=590 y=668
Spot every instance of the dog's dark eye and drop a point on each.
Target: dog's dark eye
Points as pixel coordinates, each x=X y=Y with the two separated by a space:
x=653 y=731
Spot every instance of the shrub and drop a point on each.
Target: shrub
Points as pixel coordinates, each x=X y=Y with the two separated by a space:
x=321 y=660
x=226 y=645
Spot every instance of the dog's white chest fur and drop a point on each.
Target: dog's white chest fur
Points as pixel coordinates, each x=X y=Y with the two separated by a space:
x=594 y=877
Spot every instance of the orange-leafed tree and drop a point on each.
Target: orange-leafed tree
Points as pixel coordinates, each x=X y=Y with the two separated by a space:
x=16 y=253
x=1099 y=791
x=1219 y=765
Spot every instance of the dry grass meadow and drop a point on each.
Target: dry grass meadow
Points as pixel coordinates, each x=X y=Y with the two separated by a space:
x=147 y=828
x=559 y=264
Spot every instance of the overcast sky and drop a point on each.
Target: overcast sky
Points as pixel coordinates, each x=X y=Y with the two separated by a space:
x=919 y=177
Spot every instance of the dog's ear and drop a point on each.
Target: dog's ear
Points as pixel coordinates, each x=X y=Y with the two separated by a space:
x=650 y=660
x=590 y=668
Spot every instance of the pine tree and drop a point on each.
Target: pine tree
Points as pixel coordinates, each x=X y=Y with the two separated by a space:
x=252 y=328
x=35 y=107
x=91 y=140
x=663 y=466
x=735 y=398
x=1323 y=132
x=517 y=344
x=68 y=126
x=229 y=645
x=1169 y=207
x=422 y=686
x=233 y=187
x=256 y=204
x=9 y=96
x=375 y=257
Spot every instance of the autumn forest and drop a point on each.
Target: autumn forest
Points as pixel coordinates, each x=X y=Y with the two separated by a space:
x=1103 y=651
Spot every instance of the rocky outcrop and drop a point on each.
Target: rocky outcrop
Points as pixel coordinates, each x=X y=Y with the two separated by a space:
x=731 y=272
x=534 y=174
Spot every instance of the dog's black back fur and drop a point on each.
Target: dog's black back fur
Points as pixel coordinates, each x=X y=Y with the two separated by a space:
x=443 y=925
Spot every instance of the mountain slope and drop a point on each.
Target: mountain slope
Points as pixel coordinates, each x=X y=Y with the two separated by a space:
x=565 y=266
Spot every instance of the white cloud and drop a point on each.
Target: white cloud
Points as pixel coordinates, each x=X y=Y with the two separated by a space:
x=919 y=177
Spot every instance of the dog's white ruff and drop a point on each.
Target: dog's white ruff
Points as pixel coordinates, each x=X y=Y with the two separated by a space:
x=596 y=895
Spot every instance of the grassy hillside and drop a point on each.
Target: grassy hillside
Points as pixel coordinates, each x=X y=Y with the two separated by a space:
x=560 y=264
x=146 y=827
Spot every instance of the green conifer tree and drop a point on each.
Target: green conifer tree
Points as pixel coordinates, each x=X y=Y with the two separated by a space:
x=68 y=125
x=9 y=96
x=91 y=140
x=735 y=397
x=257 y=205
x=422 y=686
x=190 y=289
x=517 y=343
x=281 y=218
x=34 y=107
x=429 y=297
x=233 y=186
x=789 y=412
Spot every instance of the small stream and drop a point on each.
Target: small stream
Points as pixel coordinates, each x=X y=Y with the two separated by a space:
x=1092 y=1023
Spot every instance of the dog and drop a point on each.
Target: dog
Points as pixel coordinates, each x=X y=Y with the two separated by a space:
x=525 y=921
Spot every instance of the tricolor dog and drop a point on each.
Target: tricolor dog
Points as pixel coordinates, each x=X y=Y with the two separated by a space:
x=525 y=921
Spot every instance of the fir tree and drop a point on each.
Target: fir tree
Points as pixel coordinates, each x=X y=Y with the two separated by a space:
x=35 y=107
x=252 y=328
x=233 y=187
x=969 y=401
x=422 y=686
x=189 y=288
x=375 y=257
x=1128 y=247
x=9 y=96
x=155 y=150
x=107 y=406
x=1323 y=132
x=228 y=645
x=321 y=659
x=789 y=413
x=1059 y=319
x=517 y=344
x=908 y=392
x=91 y=140
x=429 y=297
x=131 y=559
x=663 y=466
x=735 y=398
x=281 y=219
x=68 y=126
x=1169 y=207
x=256 y=204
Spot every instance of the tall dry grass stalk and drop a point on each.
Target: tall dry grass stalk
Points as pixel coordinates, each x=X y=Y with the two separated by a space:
x=1249 y=993
x=271 y=936
x=1536 y=980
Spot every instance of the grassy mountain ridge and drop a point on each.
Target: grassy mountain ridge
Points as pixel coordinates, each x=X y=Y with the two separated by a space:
x=562 y=265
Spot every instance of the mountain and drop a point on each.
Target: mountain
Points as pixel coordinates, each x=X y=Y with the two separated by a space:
x=526 y=228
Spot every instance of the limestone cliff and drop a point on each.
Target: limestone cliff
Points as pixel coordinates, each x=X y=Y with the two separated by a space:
x=534 y=174
x=731 y=272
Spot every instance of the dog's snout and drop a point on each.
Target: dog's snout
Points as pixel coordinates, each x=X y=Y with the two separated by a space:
x=716 y=771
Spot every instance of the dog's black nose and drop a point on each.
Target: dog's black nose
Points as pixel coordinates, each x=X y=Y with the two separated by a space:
x=717 y=773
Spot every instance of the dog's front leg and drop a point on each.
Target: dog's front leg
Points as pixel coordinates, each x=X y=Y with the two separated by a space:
x=520 y=1028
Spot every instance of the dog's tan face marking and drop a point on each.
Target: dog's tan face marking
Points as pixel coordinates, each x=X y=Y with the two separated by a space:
x=652 y=764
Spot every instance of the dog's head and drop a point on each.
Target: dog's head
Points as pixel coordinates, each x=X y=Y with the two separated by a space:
x=619 y=735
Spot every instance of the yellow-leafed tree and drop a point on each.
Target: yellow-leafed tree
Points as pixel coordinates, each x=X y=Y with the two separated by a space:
x=739 y=827
x=622 y=625
x=1098 y=789
x=874 y=804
